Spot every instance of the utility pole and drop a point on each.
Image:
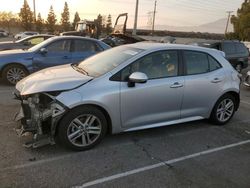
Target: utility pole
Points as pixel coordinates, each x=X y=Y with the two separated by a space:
x=34 y=7
x=136 y=17
x=229 y=15
x=153 y=26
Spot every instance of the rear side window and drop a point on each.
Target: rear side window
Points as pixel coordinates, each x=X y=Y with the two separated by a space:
x=229 y=48
x=85 y=46
x=199 y=63
x=59 y=46
x=213 y=64
x=196 y=62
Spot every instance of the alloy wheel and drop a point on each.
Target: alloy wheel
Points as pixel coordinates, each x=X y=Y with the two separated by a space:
x=225 y=110
x=15 y=74
x=84 y=130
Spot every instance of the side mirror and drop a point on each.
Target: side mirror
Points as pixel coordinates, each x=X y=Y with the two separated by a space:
x=43 y=51
x=137 y=77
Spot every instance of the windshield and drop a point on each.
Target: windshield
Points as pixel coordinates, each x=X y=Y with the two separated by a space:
x=106 y=61
x=38 y=46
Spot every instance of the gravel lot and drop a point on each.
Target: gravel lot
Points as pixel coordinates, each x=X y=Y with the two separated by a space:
x=195 y=154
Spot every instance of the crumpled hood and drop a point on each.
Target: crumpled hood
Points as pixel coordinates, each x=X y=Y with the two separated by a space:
x=52 y=79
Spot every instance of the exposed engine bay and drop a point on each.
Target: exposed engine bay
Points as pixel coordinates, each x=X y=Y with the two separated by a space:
x=39 y=115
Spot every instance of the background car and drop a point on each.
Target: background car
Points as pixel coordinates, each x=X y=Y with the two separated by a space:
x=129 y=88
x=236 y=52
x=247 y=79
x=24 y=43
x=22 y=35
x=3 y=33
x=16 y=64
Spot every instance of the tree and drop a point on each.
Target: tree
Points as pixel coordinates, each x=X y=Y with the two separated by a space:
x=98 y=22
x=39 y=23
x=76 y=19
x=8 y=19
x=51 y=20
x=26 y=16
x=109 y=25
x=241 y=22
x=65 y=17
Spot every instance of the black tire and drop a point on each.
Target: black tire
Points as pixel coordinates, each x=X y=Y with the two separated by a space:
x=65 y=126
x=216 y=110
x=238 y=67
x=20 y=70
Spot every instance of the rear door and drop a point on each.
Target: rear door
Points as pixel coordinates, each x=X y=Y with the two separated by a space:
x=58 y=53
x=83 y=48
x=204 y=81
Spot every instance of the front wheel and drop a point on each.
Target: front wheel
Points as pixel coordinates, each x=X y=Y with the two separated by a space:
x=14 y=73
x=223 y=110
x=82 y=128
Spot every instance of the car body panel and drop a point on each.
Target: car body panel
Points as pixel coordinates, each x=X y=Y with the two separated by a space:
x=150 y=95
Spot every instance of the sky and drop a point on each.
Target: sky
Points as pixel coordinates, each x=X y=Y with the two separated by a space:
x=169 y=12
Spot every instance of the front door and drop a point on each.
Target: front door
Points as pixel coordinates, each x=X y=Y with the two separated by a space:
x=58 y=53
x=159 y=99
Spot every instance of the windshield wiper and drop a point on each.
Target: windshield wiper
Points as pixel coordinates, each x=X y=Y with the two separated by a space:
x=79 y=69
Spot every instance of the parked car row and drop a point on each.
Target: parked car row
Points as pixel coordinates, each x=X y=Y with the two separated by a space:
x=68 y=92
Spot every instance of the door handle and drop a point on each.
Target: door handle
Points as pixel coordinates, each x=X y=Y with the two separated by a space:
x=176 y=85
x=65 y=57
x=216 y=80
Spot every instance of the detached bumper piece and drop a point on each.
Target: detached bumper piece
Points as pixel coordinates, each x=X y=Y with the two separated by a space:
x=39 y=115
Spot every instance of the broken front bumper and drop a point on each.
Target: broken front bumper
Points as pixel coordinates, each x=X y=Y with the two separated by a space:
x=39 y=114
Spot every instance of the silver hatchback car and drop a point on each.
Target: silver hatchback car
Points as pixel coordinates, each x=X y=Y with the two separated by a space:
x=127 y=88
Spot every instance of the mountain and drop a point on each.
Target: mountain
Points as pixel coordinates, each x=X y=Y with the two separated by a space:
x=217 y=26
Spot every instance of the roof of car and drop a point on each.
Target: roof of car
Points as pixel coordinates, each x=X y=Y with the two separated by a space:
x=152 y=46
x=73 y=37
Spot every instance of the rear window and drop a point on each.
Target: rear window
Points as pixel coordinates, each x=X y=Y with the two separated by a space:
x=241 y=48
x=229 y=48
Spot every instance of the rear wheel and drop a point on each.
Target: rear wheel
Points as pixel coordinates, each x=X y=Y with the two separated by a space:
x=14 y=73
x=223 y=110
x=82 y=128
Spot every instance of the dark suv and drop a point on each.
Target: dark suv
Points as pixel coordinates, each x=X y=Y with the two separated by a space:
x=236 y=52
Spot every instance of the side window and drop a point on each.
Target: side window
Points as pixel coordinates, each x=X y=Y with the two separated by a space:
x=213 y=64
x=86 y=46
x=36 y=41
x=59 y=46
x=196 y=62
x=229 y=48
x=156 y=65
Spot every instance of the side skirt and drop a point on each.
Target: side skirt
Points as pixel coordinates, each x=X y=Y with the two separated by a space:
x=165 y=123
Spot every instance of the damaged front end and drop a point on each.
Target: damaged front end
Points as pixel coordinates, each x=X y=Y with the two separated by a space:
x=39 y=115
